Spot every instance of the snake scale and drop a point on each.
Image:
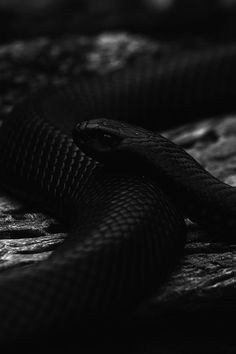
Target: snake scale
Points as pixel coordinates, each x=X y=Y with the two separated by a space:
x=125 y=213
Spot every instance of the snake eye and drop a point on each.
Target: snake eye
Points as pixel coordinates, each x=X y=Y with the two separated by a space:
x=95 y=139
x=108 y=140
x=105 y=140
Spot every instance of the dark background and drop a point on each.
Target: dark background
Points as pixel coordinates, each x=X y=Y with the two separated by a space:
x=27 y=18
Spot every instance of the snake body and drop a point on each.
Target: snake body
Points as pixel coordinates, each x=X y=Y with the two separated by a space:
x=126 y=232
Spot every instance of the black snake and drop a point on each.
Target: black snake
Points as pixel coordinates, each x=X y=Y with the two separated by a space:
x=126 y=215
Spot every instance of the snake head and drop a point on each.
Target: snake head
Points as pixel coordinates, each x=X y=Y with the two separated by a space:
x=105 y=139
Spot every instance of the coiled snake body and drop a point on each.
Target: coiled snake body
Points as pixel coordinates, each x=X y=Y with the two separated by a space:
x=127 y=227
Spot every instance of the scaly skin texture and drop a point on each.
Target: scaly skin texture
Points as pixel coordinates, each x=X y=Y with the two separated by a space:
x=108 y=263
x=201 y=197
x=126 y=234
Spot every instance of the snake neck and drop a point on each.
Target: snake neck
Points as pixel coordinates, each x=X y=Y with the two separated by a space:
x=200 y=196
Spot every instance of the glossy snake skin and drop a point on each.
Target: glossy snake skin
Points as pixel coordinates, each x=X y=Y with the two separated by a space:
x=126 y=226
